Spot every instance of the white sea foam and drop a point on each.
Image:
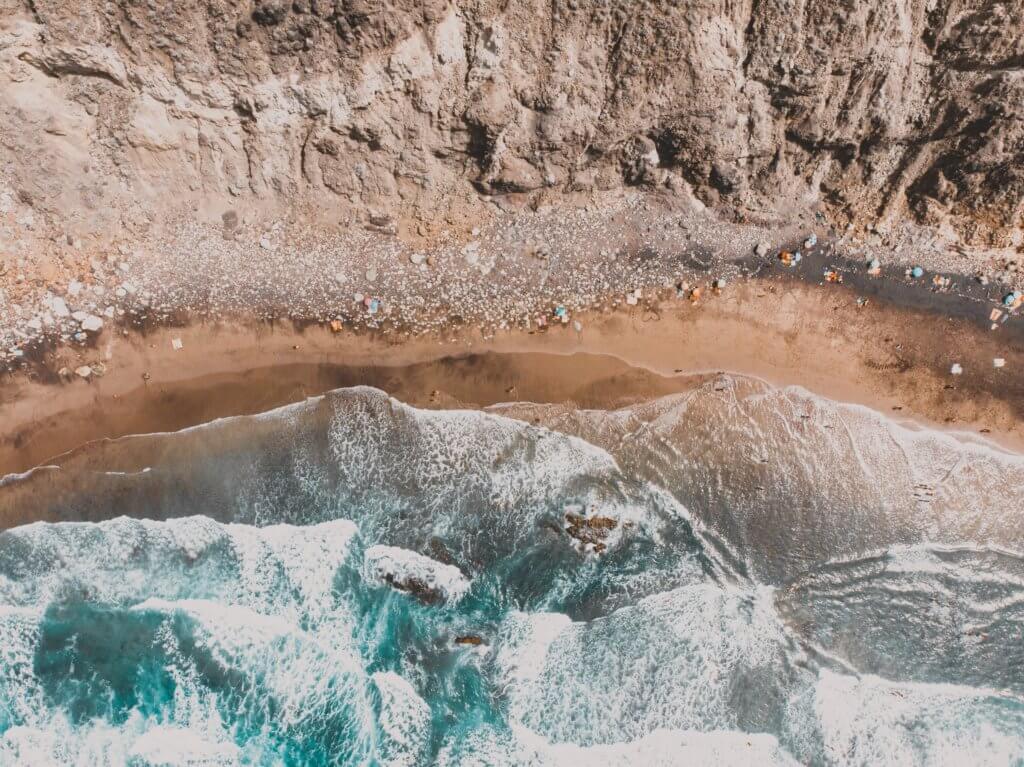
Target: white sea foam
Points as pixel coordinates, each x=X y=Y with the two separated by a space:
x=138 y=742
x=870 y=721
x=299 y=671
x=664 y=748
x=21 y=697
x=404 y=722
x=308 y=557
x=699 y=657
x=790 y=479
x=265 y=583
x=238 y=628
x=524 y=645
x=454 y=473
x=123 y=561
x=164 y=746
x=521 y=747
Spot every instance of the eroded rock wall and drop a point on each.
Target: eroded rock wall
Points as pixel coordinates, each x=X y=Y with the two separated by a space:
x=113 y=112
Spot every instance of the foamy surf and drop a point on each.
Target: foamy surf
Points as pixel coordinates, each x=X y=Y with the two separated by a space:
x=736 y=575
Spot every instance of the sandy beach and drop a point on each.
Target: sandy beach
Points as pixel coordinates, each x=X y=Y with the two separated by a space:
x=894 y=359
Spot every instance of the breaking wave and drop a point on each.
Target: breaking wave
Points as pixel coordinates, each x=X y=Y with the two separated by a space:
x=735 y=575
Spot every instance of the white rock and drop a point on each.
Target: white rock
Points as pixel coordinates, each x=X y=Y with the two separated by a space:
x=79 y=316
x=74 y=288
x=998 y=362
x=471 y=253
x=92 y=323
x=417 y=258
x=371 y=274
x=176 y=344
x=83 y=372
x=60 y=307
x=956 y=369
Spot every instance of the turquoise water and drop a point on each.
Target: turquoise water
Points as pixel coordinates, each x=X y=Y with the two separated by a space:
x=353 y=581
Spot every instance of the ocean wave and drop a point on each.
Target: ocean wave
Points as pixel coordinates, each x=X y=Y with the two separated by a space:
x=920 y=613
x=733 y=575
x=872 y=721
x=790 y=479
x=696 y=658
x=122 y=561
x=662 y=748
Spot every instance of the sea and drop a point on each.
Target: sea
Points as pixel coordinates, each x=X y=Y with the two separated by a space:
x=734 y=575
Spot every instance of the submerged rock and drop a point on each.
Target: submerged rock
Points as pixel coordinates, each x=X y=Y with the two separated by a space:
x=424 y=578
x=590 y=531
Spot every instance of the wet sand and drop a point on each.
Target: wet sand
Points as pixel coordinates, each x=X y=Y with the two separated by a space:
x=893 y=359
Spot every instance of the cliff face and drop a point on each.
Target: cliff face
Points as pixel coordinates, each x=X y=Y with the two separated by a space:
x=113 y=112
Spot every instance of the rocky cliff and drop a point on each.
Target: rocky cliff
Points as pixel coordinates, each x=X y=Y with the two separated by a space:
x=114 y=113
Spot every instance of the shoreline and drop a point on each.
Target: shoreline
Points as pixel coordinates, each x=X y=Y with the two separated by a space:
x=889 y=357
x=490 y=272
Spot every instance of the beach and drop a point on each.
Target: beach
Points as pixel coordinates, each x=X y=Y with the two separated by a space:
x=739 y=474
x=432 y=382
x=534 y=518
x=893 y=359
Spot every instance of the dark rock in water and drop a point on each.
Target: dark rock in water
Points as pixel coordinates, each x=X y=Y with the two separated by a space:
x=440 y=552
x=590 y=530
x=427 y=580
x=469 y=639
x=417 y=588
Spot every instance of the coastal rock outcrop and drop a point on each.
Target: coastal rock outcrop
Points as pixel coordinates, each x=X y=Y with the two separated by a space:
x=116 y=114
